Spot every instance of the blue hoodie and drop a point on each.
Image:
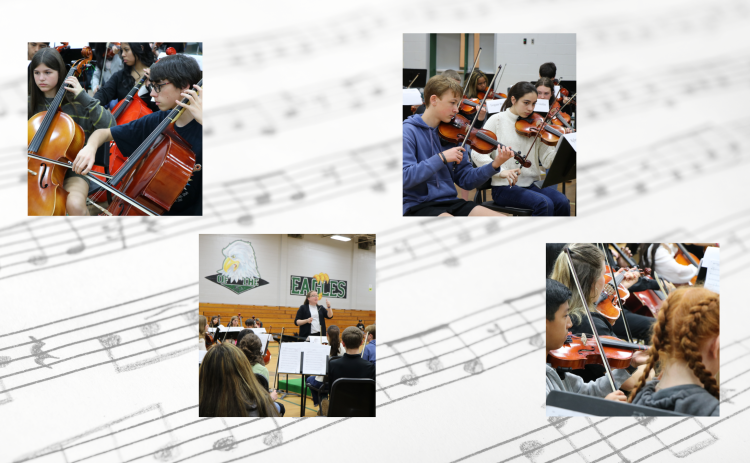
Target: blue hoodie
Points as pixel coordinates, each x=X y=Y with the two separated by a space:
x=426 y=178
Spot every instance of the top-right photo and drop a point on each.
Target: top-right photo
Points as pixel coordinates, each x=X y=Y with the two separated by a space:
x=489 y=125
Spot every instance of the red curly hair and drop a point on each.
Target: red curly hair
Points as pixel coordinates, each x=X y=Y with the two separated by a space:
x=687 y=318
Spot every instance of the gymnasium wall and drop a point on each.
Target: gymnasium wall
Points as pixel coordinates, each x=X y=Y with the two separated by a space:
x=278 y=257
x=523 y=61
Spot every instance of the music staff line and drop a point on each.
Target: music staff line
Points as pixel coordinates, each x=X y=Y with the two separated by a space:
x=478 y=327
x=108 y=362
x=94 y=339
x=99 y=311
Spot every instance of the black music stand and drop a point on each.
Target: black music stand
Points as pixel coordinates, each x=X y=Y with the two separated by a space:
x=220 y=335
x=563 y=168
x=596 y=406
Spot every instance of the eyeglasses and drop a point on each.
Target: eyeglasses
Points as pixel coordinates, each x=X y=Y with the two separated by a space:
x=156 y=87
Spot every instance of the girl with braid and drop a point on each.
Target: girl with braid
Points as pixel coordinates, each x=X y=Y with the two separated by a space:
x=685 y=351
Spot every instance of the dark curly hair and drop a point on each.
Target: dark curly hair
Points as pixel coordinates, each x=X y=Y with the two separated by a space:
x=250 y=345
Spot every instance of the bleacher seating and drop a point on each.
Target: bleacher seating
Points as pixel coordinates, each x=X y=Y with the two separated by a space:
x=275 y=317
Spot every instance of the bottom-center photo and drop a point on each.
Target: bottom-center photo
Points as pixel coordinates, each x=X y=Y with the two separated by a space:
x=287 y=325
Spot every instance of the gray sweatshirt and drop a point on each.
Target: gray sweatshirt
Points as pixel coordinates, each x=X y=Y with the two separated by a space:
x=574 y=383
x=689 y=399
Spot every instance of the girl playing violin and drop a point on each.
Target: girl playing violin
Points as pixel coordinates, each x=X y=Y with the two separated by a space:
x=661 y=258
x=685 y=345
x=558 y=324
x=588 y=262
x=137 y=58
x=477 y=83
x=251 y=345
x=47 y=71
x=108 y=63
x=172 y=79
x=428 y=166
x=548 y=201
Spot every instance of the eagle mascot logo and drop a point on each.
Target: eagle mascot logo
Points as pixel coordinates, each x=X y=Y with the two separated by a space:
x=239 y=262
x=239 y=270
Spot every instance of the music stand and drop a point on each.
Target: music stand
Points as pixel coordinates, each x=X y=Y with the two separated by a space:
x=563 y=168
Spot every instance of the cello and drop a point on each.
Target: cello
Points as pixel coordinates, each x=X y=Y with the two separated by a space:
x=157 y=172
x=55 y=136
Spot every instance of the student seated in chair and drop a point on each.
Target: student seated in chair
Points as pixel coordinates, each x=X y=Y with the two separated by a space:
x=351 y=364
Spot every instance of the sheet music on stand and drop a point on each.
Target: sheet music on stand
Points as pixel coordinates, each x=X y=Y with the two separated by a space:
x=711 y=263
x=291 y=358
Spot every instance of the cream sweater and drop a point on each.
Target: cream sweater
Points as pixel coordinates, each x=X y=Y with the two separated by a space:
x=504 y=126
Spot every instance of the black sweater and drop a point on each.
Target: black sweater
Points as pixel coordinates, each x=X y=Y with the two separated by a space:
x=117 y=88
x=304 y=313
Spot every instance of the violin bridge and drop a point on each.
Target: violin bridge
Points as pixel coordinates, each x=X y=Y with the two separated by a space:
x=583 y=339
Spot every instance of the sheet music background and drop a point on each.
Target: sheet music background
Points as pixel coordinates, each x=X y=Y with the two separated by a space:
x=302 y=136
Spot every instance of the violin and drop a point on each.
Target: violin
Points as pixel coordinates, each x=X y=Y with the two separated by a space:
x=480 y=140
x=606 y=304
x=529 y=127
x=113 y=49
x=491 y=95
x=648 y=299
x=469 y=106
x=54 y=135
x=579 y=351
x=157 y=172
x=683 y=257
x=62 y=47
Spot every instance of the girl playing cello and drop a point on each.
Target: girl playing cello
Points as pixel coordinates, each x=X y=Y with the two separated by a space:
x=47 y=70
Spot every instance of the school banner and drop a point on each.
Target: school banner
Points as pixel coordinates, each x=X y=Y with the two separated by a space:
x=321 y=283
x=239 y=270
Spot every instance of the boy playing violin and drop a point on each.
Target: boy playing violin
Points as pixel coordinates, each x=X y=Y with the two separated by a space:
x=429 y=175
x=172 y=79
x=558 y=324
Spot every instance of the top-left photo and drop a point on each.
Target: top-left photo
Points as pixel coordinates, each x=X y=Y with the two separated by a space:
x=115 y=128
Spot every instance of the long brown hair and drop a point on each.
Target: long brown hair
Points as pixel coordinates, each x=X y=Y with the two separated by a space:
x=588 y=262
x=52 y=59
x=201 y=326
x=218 y=321
x=688 y=318
x=250 y=345
x=228 y=386
x=334 y=339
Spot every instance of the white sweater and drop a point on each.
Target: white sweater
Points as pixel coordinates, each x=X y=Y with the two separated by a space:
x=504 y=126
x=667 y=267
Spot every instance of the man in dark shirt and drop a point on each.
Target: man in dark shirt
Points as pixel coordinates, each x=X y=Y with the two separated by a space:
x=173 y=78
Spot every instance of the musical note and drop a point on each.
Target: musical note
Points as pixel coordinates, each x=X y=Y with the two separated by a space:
x=499 y=331
x=246 y=218
x=38 y=353
x=39 y=259
x=4 y=361
x=297 y=195
x=451 y=260
x=265 y=197
x=225 y=444
x=80 y=247
x=405 y=247
x=532 y=449
x=379 y=185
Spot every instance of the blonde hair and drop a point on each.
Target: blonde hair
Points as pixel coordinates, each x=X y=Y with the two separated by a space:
x=687 y=319
x=438 y=85
x=201 y=326
x=588 y=262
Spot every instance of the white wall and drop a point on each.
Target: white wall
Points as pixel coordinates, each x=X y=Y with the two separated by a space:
x=523 y=61
x=278 y=257
x=416 y=51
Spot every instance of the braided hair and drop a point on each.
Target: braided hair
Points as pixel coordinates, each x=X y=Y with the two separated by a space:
x=687 y=318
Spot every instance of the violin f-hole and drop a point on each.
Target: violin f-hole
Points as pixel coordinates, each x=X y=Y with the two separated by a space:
x=43 y=175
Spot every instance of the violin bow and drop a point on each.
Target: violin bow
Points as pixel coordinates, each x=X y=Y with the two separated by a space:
x=687 y=254
x=542 y=126
x=605 y=362
x=415 y=78
x=619 y=301
x=471 y=126
x=104 y=185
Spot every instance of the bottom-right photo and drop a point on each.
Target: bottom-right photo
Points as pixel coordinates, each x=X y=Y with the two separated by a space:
x=632 y=329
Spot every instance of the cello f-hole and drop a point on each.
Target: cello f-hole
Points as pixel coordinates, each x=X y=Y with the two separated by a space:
x=43 y=175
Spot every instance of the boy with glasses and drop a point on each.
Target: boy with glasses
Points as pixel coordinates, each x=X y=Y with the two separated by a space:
x=171 y=79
